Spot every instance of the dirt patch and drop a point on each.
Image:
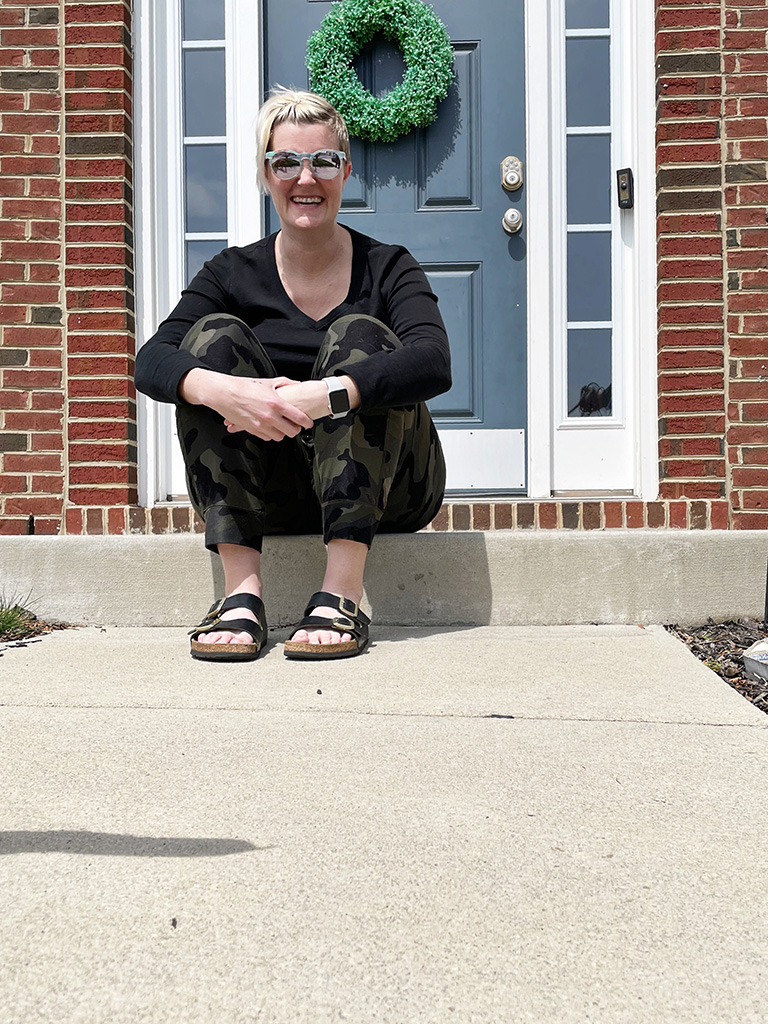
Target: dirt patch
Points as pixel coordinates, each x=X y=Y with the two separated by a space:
x=720 y=646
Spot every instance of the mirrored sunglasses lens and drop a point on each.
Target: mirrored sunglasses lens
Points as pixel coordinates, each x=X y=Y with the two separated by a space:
x=285 y=165
x=326 y=164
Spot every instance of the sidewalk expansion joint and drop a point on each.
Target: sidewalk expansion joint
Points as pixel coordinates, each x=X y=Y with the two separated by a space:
x=432 y=716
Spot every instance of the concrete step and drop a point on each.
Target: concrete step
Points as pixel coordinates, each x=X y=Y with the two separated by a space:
x=515 y=578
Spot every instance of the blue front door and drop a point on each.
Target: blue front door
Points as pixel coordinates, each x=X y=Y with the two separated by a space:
x=439 y=192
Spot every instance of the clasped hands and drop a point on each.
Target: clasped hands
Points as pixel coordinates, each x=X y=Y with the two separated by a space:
x=267 y=407
x=274 y=407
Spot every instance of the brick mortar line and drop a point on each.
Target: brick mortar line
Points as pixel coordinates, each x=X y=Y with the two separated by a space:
x=736 y=452
x=65 y=460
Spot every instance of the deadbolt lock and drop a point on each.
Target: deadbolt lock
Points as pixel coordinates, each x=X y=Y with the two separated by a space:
x=511 y=173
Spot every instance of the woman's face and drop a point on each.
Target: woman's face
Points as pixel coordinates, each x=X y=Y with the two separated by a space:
x=306 y=203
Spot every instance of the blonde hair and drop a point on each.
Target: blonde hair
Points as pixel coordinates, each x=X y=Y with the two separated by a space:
x=294 y=106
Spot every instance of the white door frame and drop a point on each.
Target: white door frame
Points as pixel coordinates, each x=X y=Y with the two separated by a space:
x=159 y=193
x=159 y=217
x=635 y=271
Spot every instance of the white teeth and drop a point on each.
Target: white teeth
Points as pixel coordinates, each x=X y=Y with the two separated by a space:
x=306 y=200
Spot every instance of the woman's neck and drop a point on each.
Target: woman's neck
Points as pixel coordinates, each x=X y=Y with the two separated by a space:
x=309 y=254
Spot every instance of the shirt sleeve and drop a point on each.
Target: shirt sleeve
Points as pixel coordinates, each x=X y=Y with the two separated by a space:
x=160 y=362
x=420 y=369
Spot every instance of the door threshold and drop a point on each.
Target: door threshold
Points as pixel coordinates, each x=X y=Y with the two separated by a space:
x=484 y=496
x=592 y=495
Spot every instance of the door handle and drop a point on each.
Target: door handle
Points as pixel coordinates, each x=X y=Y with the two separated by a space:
x=511 y=173
x=512 y=221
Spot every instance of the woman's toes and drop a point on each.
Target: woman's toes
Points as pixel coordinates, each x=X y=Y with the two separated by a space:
x=319 y=636
x=328 y=637
x=225 y=638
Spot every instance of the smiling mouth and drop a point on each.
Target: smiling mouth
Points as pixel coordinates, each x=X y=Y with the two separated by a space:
x=306 y=200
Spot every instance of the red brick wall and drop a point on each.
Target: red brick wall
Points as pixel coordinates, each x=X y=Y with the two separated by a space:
x=746 y=203
x=99 y=259
x=67 y=404
x=713 y=269
x=31 y=361
x=66 y=317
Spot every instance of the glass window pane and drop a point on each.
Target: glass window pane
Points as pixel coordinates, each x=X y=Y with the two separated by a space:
x=203 y=19
x=587 y=82
x=205 y=179
x=587 y=13
x=589 y=373
x=204 y=93
x=589 y=275
x=589 y=179
x=199 y=251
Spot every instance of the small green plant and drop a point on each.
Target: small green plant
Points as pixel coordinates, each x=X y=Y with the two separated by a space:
x=16 y=621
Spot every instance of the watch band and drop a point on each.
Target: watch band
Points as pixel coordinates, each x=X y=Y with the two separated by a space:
x=338 y=398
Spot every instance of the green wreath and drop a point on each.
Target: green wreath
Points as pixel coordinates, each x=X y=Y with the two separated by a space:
x=427 y=52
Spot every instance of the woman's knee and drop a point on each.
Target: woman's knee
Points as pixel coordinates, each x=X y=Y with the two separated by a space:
x=350 y=340
x=227 y=344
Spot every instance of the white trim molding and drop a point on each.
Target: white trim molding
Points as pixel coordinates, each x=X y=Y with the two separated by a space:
x=160 y=241
x=616 y=454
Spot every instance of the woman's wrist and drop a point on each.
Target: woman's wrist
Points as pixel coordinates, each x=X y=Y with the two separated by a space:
x=311 y=396
x=194 y=386
x=352 y=391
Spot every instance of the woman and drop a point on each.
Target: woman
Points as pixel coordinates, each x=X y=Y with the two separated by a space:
x=300 y=366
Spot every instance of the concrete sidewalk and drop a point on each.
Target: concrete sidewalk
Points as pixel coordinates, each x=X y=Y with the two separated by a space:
x=481 y=825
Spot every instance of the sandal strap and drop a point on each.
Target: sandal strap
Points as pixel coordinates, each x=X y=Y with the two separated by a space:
x=343 y=604
x=212 y=620
x=339 y=624
x=349 y=620
x=253 y=629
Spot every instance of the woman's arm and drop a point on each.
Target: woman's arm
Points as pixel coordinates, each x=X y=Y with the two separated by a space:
x=420 y=369
x=160 y=362
x=168 y=373
x=259 y=406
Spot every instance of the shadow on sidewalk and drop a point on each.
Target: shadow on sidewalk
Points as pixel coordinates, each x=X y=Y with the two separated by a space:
x=111 y=844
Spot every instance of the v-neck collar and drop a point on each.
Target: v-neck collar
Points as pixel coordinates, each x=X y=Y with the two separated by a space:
x=354 y=281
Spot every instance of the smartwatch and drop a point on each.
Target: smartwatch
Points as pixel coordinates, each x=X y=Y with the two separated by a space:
x=338 y=399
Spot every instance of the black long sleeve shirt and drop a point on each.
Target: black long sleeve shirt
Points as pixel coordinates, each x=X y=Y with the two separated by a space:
x=386 y=283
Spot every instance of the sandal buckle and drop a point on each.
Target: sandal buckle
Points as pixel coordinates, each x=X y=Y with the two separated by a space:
x=348 y=607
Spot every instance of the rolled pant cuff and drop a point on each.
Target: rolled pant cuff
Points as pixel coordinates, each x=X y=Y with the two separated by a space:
x=224 y=525
x=360 y=526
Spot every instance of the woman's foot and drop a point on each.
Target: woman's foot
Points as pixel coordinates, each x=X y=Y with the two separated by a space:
x=312 y=641
x=343 y=579
x=226 y=636
x=242 y=575
x=210 y=642
x=324 y=636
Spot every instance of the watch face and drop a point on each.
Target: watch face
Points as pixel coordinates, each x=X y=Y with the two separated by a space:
x=339 y=401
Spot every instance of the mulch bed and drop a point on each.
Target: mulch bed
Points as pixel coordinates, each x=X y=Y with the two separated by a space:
x=720 y=646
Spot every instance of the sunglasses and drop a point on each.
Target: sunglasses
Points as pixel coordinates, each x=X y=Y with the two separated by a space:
x=325 y=163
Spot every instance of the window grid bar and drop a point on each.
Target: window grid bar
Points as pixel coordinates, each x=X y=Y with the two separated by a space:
x=203 y=44
x=604 y=229
x=204 y=236
x=602 y=129
x=205 y=140
x=587 y=33
x=589 y=325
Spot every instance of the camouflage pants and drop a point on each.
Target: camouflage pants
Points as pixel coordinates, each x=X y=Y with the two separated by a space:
x=345 y=478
